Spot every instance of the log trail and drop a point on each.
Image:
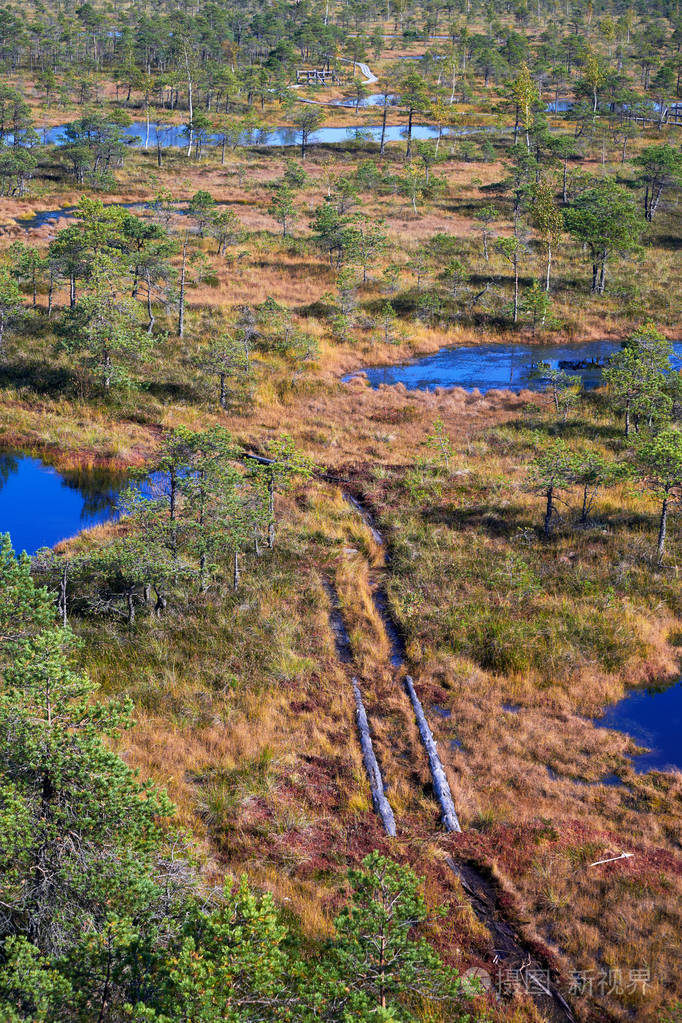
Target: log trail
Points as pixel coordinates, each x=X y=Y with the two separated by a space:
x=344 y=651
x=439 y=779
x=510 y=949
x=511 y=953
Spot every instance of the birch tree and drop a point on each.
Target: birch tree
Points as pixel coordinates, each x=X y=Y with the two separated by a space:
x=548 y=222
x=525 y=95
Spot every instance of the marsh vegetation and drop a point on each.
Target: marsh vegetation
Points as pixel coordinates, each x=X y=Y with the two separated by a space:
x=351 y=334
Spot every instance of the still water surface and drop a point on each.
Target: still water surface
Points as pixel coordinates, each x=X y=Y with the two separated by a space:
x=501 y=366
x=40 y=506
x=654 y=720
x=176 y=135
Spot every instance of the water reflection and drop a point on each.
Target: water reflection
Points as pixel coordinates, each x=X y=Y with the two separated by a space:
x=653 y=718
x=176 y=135
x=504 y=366
x=375 y=99
x=8 y=465
x=40 y=506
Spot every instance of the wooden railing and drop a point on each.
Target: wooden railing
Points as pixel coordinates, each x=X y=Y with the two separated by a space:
x=315 y=76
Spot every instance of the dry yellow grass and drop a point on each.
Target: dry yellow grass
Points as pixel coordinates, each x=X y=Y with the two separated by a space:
x=260 y=756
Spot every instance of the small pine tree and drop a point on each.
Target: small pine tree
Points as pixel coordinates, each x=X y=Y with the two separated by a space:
x=379 y=948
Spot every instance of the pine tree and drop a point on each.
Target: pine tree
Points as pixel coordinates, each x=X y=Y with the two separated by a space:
x=80 y=832
x=551 y=471
x=636 y=377
x=379 y=951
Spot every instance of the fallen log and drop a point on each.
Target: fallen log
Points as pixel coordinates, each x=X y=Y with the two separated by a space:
x=376 y=785
x=261 y=459
x=440 y=781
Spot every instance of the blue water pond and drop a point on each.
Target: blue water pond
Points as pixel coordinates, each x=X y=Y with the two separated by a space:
x=653 y=718
x=501 y=366
x=167 y=136
x=39 y=506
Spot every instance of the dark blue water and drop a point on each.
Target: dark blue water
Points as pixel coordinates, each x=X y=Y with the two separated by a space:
x=504 y=366
x=39 y=506
x=558 y=106
x=176 y=135
x=376 y=99
x=654 y=720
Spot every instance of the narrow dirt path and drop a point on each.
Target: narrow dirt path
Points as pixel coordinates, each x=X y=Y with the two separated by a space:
x=344 y=652
x=512 y=957
x=441 y=786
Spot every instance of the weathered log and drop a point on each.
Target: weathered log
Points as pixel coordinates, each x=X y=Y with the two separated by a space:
x=261 y=459
x=376 y=785
x=440 y=781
